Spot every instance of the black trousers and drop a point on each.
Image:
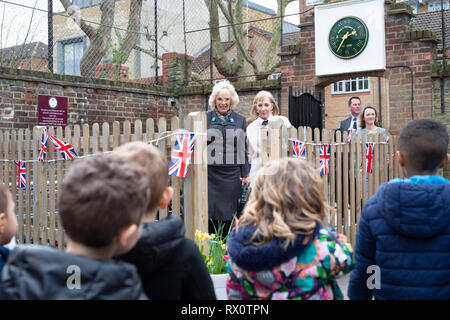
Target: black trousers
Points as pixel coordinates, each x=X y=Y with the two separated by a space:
x=213 y=226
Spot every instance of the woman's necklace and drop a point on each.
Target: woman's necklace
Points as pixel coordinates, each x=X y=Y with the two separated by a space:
x=224 y=118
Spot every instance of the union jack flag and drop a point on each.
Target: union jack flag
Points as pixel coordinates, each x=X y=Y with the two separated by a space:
x=67 y=151
x=181 y=154
x=369 y=156
x=44 y=140
x=350 y=133
x=324 y=158
x=298 y=149
x=21 y=174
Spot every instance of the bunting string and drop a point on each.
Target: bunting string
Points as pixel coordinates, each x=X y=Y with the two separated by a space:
x=154 y=141
x=332 y=143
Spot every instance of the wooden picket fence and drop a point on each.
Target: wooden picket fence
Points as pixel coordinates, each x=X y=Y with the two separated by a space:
x=36 y=206
x=347 y=186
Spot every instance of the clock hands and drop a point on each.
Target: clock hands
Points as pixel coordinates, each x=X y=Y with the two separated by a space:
x=348 y=37
x=345 y=36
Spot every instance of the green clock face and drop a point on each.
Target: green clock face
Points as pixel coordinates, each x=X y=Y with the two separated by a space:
x=348 y=37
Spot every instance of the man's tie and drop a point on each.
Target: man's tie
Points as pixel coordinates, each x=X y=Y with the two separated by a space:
x=264 y=123
x=354 y=123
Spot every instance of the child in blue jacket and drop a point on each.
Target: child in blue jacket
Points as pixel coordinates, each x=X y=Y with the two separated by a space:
x=403 y=242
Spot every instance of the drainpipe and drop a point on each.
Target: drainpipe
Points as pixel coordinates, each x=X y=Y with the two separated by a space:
x=412 y=86
x=50 y=35
x=380 y=118
x=156 y=43
x=444 y=60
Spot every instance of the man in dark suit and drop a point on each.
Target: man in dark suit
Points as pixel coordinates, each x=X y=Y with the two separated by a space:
x=354 y=104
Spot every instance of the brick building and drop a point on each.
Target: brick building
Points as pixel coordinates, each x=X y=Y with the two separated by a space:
x=29 y=56
x=105 y=100
x=374 y=90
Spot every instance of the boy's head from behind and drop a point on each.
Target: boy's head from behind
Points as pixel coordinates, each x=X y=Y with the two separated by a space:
x=423 y=146
x=100 y=197
x=287 y=200
x=8 y=219
x=156 y=167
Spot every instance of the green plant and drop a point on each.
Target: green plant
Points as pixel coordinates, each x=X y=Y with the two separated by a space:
x=119 y=56
x=216 y=257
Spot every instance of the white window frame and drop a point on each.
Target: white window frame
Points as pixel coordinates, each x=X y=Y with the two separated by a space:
x=85 y=3
x=436 y=6
x=61 y=47
x=345 y=86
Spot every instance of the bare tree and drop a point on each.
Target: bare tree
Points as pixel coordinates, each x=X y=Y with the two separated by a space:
x=100 y=37
x=16 y=54
x=234 y=17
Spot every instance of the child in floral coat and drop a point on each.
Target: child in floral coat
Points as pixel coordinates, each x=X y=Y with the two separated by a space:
x=279 y=249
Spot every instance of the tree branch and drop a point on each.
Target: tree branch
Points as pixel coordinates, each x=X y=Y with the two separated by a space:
x=269 y=64
x=238 y=36
x=134 y=20
x=221 y=61
x=75 y=14
x=227 y=14
x=150 y=52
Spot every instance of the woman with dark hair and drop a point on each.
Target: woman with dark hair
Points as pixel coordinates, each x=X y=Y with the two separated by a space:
x=368 y=120
x=227 y=156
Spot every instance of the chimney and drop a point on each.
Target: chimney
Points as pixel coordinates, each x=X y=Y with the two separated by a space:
x=177 y=68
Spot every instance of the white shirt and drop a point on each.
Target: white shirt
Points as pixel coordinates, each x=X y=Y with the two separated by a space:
x=354 y=119
x=11 y=244
x=253 y=140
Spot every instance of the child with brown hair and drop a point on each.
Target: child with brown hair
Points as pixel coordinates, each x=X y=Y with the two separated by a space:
x=169 y=264
x=100 y=203
x=8 y=223
x=279 y=249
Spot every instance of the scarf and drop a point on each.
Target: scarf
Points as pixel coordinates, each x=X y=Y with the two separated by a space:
x=224 y=118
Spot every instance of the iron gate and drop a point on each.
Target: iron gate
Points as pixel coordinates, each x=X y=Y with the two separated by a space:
x=305 y=109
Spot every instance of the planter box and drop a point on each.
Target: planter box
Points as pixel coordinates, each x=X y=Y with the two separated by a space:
x=219 y=282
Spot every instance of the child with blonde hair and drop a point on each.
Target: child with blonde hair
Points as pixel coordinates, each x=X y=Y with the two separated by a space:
x=266 y=110
x=279 y=249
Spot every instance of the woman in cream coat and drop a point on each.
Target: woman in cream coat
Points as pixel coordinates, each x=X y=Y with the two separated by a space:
x=265 y=107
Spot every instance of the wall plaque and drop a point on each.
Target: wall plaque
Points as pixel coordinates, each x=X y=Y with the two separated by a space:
x=52 y=111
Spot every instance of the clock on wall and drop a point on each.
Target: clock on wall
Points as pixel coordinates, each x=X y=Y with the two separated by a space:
x=348 y=37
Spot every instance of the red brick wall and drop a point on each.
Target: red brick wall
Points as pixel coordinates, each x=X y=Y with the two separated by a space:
x=298 y=69
x=37 y=64
x=417 y=55
x=104 y=101
x=298 y=64
x=107 y=101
